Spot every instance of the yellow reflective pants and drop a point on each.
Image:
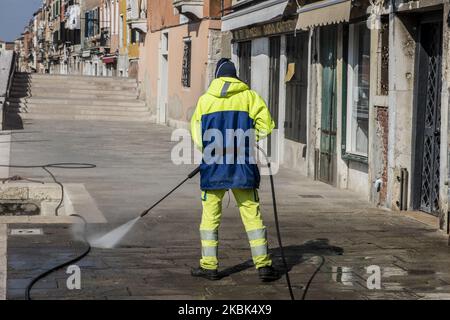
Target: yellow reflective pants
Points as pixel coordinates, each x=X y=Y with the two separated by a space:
x=248 y=202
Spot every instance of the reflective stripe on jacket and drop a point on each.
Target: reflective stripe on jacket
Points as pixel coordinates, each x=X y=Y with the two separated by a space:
x=230 y=104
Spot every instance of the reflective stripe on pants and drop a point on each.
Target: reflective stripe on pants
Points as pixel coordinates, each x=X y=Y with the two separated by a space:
x=248 y=203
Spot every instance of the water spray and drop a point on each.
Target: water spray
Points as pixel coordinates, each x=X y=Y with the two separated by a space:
x=112 y=238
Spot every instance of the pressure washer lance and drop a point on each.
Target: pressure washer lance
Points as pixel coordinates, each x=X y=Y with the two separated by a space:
x=114 y=237
x=125 y=228
x=275 y=211
x=190 y=176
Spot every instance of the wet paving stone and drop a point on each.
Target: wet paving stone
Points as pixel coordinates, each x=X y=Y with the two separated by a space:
x=154 y=260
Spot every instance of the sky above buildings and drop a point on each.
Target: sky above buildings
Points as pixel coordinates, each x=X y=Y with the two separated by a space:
x=14 y=16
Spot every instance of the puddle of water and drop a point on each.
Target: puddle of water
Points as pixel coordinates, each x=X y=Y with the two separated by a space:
x=393 y=272
x=343 y=275
x=434 y=296
x=421 y=272
x=392 y=286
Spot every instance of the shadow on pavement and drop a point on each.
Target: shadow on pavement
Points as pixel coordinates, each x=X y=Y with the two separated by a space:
x=13 y=121
x=294 y=256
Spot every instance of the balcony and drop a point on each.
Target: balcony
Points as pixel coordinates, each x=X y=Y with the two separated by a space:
x=105 y=37
x=193 y=9
x=137 y=14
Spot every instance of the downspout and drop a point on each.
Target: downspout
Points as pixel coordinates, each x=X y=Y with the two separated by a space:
x=391 y=174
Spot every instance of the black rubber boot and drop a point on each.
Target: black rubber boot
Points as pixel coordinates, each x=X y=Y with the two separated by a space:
x=205 y=273
x=267 y=274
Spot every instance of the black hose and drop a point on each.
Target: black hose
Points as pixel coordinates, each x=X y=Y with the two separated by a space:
x=46 y=168
x=190 y=176
x=277 y=226
x=62 y=265
x=88 y=246
x=305 y=291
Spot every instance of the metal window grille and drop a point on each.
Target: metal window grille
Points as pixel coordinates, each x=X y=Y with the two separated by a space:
x=186 y=72
x=383 y=87
x=86 y=24
x=245 y=56
x=296 y=88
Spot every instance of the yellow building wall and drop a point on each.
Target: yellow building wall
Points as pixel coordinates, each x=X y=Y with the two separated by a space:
x=133 y=51
x=132 y=48
x=123 y=13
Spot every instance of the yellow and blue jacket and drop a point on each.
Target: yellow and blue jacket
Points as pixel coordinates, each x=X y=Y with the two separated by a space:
x=230 y=104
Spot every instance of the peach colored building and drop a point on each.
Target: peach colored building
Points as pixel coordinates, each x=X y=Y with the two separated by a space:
x=177 y=63
x=109 y=26
x=132 y=31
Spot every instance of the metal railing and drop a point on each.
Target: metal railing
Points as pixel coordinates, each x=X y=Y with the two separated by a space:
x=12 y=72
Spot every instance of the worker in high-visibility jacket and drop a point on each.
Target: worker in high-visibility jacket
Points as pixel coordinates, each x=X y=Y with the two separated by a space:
x=229 y=104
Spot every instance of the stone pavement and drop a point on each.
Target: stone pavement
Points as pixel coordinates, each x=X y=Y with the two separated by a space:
x=153 y=261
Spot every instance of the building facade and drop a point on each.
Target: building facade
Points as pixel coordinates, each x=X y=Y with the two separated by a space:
x=359 y=93
x=76 y=37
x=182 y=46
x=6 y=46
x=358 y=89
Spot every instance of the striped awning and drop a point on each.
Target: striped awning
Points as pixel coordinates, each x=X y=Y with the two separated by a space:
x=265 y=11
x=323 y=12
x=109 y=59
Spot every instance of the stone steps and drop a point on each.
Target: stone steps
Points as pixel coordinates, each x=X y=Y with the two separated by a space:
x=64 y=97
x=15 y=107
x=31 y=116
x=84 y=102
x=75 y=94
x=51 y=77
x=73 y=87
x=80 y=86
x=83 y=111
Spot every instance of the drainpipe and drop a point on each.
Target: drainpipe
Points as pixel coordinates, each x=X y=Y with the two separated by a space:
x=393 y=7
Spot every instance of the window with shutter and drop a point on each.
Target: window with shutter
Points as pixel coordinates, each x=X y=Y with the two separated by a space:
x=296 y=87
x=86 y=24
x=97 y=21
x=91 y=23
x=245 y=65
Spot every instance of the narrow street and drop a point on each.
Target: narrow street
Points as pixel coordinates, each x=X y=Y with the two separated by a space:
x=154 y=261
x=102 y=103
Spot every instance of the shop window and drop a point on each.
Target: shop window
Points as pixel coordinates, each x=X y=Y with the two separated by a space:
x=358 y=87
